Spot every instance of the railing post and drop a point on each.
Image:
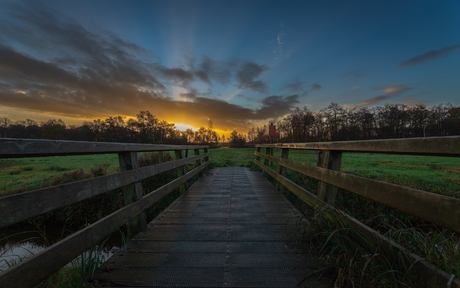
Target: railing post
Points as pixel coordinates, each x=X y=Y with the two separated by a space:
x=206 y=159
x=329 y=160
x=160 y=157
x=132 y=192
x=181 y=171
x=281 y=169
x=258 y=150
x=267 y=151
x=266 y=162
x=271 y=154
x=198 y=162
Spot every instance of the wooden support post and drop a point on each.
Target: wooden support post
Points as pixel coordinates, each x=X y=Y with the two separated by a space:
x=266 y=162
x=329 y=160
x=186 y=153
x=271 y=154
x=267 y=151
x=181 y=171
x=160 y=157
x=132 y=192
x=206 y=159
x=258 y=150
x=198 y=162
x=281 y=169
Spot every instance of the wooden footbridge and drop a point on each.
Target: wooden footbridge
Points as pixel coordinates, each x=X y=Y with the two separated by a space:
x=231 y=228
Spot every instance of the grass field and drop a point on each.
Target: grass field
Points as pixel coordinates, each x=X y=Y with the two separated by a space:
x=26 y=174
x=434 y=174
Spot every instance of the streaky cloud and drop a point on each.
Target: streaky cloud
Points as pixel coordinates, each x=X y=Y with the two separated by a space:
x=428 y=56
x=353 y=74
x=389 y=93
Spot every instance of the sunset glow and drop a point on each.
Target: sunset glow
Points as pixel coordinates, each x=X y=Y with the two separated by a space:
x=239 y=63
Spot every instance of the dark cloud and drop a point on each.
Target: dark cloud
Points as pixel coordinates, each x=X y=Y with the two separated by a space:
x=247 y=75
x=277 y=106
x=176 y=76
x=245 y=97
x=301 y=88
x=315 y=87
x=294 y=86
x=217 y=71
x=64 y=69
x=390 y=92
x=203 y=76
x=353 y=74
x=428 y=56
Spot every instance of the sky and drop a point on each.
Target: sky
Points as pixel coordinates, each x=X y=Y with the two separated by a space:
x=238 y=63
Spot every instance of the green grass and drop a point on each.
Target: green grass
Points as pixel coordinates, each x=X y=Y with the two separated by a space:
x=25 y=174
x=228 y=157
x=434 y=174
x=429 y=173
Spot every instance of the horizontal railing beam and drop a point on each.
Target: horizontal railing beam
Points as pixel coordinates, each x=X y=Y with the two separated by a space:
x=438 y=209
x=37 y=268
x=22 y=206
x=372 y=239
x=435 y=146
x=15 y=148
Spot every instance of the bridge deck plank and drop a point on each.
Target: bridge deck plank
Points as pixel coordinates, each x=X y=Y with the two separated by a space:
x=231 y=229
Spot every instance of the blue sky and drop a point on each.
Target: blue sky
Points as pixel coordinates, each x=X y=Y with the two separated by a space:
x=239 y=63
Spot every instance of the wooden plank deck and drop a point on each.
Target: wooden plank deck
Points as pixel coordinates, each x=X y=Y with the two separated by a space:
x=231 y=229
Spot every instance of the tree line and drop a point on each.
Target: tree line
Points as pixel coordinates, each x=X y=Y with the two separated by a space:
x=145 y=128
x=336 y=123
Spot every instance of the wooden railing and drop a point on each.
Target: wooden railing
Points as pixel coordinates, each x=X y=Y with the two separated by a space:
x=438 y=209
x=23 y=206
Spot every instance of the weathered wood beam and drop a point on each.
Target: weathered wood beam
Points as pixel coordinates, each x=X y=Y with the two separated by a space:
x=284 y=154
x=372 y=239
x=37 y=268
x=329 y=160
x=437 y=146
x=15 y=148
x=206 y=151
x=198 y=162
x=19 y=207
x=181 y=170
x=132 y=192
x=258 y=150
x=438 y=209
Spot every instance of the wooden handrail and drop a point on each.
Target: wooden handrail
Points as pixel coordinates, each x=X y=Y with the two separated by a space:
x=26 y=205
x=370 y=238
x=19 y=207
x=438 y=209
x=37 y=268
x=14 y=148
x=435 y=146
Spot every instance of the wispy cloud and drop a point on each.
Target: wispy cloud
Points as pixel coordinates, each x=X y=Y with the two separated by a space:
x=389 y=92
x=353 y=74
x=300 y=87
x=411 y=101
x=428 y=56
x=278 y=44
